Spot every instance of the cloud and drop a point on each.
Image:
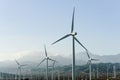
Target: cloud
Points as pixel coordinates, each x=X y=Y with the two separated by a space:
x=12 y=56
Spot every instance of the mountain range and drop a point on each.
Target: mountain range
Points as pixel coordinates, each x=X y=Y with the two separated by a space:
x=32 y=59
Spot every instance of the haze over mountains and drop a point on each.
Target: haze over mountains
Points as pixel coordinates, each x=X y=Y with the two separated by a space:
x=33 y=59
x=81 y=58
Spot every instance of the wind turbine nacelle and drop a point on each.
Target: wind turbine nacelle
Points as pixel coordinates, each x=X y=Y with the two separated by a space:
x=74 y=33
x=46 y=57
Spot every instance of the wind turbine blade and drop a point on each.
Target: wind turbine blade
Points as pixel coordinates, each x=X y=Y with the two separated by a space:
x=62 y=38
x=88 y=54
x=41 y=61
x=86 y=70
x=72 y=26
x=45 y=51
x=94 y=59
x=56 y=61
x=82 y=46
x=88 y=63
x=80 y=43
x=53 y=65
x=51 y=59
x=23 y=65
x=17 y=62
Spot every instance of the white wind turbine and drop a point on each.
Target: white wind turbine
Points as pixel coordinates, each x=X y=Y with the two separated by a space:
x=58 y=72
x=53 y=66
x=90 y=63
x=108 y=66
x=73 y=34
x=19 y=68
x=46 y=58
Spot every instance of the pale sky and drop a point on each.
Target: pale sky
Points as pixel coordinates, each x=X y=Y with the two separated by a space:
x=26 y=25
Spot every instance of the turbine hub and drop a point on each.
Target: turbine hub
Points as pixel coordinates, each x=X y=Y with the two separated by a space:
x=46 y=57
x=74 y=33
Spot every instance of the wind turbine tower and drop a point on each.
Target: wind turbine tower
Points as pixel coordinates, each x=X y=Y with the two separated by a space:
x=114 y=70
x=108 y=71
x=97 y=72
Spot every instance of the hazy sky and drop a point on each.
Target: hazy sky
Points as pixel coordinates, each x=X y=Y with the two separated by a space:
x=26 y=25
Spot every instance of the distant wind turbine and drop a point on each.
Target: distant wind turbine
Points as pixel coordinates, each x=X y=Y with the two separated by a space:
x=97 y=72
x=90 y=63
x=108 y=66
x=53 y=66
x=19 y=68
x=46 y=58
x=73 y=34
x=114 y=71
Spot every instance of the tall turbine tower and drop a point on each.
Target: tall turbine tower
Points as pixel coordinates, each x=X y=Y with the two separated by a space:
x=73 y=34
x=46 y=58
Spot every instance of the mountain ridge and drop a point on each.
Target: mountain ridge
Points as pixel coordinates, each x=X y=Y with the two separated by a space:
x=34 y=58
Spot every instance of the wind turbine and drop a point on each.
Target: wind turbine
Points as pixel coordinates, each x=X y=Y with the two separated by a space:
x=90 y=63
x=114 y=71
x=53 y=66
x=73 y=34
x=19 y=68
x=46 y=58
x=108 y=66
x=97 y=72
x=58 y=72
